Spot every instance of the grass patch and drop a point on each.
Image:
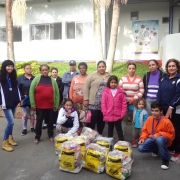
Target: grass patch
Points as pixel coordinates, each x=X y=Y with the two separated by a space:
x=119 y=68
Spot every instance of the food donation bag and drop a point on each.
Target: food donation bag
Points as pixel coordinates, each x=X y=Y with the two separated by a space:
x=90 y=133
x=95 y=158
x=105 y=142
x=124 y=146
x=70 y=157
x=83 y=141
x=118 y=165
x=59 y=139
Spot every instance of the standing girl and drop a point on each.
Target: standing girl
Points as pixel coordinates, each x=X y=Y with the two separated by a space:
x=67 y=121
x=24 y=83
x=9 y=98
x=113 y=106
x=139 y=117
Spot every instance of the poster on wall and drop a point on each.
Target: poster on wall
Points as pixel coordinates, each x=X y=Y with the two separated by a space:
x=145 y=34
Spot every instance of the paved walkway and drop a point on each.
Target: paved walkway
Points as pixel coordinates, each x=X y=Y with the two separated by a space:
x=39 y=162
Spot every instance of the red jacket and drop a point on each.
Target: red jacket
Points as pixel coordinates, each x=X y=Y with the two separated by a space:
x=113 y=108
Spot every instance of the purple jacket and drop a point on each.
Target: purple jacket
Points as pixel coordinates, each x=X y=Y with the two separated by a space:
x=113 y=108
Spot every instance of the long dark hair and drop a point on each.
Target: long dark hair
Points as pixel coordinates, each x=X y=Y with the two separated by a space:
x=110 y=79
x=12 y=76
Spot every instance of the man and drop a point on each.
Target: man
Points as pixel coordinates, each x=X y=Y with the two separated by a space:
x=157 y=134
x=67 y=78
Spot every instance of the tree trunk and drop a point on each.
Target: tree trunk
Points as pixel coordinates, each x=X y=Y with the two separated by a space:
x=114 y=34
x=9 y=31
x=97 y=33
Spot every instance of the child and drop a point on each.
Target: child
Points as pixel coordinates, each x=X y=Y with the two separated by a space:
x=67 y=121
x=113 y=106
x=139 y=117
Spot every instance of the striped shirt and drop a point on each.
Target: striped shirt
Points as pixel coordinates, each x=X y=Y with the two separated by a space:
x=134 y=89
x=153 y=85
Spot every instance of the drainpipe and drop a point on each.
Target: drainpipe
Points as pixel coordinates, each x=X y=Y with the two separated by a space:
x=171 y=18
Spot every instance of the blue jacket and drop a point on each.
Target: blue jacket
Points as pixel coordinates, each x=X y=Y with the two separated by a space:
x=66 y=79
x=169 y=92
x=24 y=85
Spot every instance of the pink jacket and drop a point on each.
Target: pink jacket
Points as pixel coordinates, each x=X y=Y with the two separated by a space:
x=113 y=108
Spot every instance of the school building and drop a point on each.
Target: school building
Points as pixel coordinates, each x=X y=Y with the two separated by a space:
x=62 y=30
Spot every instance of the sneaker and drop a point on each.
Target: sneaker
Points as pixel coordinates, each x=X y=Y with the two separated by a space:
x=175 y=157
x=24 y=132
x=165 y=164
x=154 y=154
x=171 y=152
x=134 y=145
x=32 y=130
x=44 y=126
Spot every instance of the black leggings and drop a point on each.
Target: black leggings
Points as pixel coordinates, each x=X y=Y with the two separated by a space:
x=97 y=117
x=118 y=126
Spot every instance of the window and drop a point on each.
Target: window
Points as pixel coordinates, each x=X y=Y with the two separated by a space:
x=46 y=31
x=75 y=30
x=134 y=16
x=165 y=20
x=17 y=34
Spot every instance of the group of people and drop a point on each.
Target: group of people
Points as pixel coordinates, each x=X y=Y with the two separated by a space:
x=154 y=102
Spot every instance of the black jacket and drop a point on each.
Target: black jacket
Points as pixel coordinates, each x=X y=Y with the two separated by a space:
x=61 y=88
x=146 y=81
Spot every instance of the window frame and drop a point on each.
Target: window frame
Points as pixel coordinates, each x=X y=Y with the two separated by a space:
x=45 y=24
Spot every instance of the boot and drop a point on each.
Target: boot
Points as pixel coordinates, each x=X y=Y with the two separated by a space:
x=6 y=146
x=11 y=141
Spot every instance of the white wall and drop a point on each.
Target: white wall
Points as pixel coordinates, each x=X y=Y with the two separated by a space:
x=41 y=11
x=169 y=48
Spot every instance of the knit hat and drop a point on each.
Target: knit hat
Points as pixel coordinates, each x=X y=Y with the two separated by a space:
x=7 y=63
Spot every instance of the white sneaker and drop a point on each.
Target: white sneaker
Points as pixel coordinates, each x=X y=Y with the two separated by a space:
x=171 y=152
x=175 y=158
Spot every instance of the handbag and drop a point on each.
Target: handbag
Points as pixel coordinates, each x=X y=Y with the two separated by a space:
x=85 y=116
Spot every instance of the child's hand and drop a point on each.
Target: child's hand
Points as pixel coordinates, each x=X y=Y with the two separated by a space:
x=141 y=142
x=68 y=113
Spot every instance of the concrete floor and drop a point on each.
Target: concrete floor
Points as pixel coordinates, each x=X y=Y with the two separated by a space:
x=39 y=162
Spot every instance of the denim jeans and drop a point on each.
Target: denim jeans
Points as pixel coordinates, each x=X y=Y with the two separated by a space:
x=154 y=145
x=9 y=114
x=148 y=105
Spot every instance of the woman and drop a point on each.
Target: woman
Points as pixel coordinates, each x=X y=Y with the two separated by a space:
x=44 y=98
x=76 y=88
x=54 y=75
x=9 y=98
x=93 y=88
x=169 y=97
x=133 y=86
x=24 y=83
x=151 y=82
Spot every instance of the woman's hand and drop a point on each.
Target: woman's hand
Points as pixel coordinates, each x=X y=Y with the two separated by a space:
x=33 y=108
x=85 y=103
x=169 y=113
x=55 y=109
